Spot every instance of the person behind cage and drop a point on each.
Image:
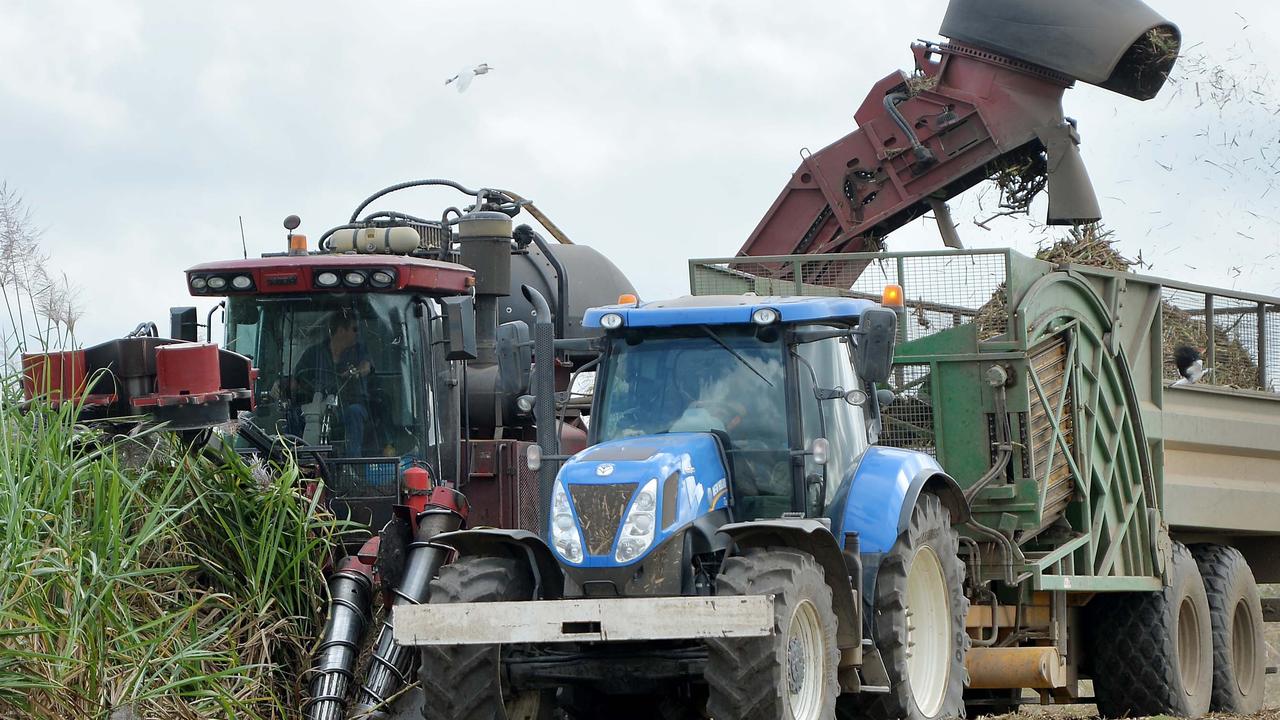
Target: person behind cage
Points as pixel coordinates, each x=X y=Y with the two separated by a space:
x=339 y=365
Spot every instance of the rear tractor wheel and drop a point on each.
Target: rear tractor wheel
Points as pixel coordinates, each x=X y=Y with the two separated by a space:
x=465 y=682
x=1235 y=616
x=1153 y=651
x=790 y=675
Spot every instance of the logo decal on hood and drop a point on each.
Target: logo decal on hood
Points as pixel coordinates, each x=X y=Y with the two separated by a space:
x=604 y=469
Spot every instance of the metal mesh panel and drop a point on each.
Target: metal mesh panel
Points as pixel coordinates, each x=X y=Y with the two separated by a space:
x=1238 y=347
x=1270 y=347
x=908 y=421
x=357 y=478
x=941 y=290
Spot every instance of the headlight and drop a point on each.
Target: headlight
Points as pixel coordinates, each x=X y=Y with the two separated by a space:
x=611 y=321
x=565 y=536
x=353 y=278
x=381 y=278
x=327 y=279
x=241 y=282
x=638 y=529
x=199 y=283
x=764 y=316
x=217 y=283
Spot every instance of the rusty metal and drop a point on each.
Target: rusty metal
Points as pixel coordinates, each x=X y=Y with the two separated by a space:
x=1015 y=667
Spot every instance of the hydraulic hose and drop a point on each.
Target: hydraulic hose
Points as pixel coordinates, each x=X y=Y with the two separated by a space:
x=997 y=378
x=410 y=184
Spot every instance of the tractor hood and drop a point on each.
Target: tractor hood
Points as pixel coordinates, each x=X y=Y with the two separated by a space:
x=628 y=497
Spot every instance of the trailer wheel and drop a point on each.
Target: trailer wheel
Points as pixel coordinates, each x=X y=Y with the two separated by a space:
x=464 y=682
x=1235 y=616
x=918 y=624
x=792 y=674
x=1152 y=651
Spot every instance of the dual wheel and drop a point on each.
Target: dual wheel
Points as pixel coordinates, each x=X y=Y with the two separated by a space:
x=1193 y=647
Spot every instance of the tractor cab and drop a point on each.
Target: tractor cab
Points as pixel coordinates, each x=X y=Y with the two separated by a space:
x=347 y=360
x=710 y=410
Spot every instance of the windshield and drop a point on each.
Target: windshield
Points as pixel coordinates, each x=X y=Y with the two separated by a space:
x=689 y=380
x=344 y=370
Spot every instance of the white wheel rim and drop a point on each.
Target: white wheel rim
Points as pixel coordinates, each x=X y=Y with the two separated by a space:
x=804 y=671
x=928 y=631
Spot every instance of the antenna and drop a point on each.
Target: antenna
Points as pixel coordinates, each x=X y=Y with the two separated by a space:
x=243 y=245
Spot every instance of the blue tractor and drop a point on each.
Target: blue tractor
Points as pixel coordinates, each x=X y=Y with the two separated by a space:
x=733 y=543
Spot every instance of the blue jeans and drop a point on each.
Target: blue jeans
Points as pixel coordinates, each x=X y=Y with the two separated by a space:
x=354 y=417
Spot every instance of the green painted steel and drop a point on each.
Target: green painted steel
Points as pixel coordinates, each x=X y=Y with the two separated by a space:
x=1081 y=501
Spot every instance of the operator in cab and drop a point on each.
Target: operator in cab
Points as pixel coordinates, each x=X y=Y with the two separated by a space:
x=338 y=367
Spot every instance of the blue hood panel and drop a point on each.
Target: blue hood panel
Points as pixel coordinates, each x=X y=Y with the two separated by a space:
x=693 y=458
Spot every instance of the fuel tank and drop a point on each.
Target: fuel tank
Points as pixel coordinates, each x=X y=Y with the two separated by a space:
x=590 y=280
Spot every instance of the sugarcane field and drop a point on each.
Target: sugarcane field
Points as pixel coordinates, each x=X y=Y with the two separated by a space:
x=640 y=360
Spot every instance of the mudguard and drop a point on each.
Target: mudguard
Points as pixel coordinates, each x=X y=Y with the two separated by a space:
x=813 y=537
x=518 y=544
x=876 y=499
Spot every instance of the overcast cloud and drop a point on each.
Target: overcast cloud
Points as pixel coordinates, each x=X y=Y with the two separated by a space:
x=655 y=131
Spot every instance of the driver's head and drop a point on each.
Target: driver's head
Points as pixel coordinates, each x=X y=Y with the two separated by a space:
x=342 y=329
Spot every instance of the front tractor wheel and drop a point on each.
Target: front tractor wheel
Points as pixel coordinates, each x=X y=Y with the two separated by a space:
x=790 y=675
x=918 y=623
x=464 y=682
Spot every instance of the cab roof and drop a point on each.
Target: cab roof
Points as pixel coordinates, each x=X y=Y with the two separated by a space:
x=729 y=310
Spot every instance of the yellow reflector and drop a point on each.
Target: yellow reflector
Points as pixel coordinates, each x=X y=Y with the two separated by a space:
x=628 y=299
x=297 y=244
x=892 y=296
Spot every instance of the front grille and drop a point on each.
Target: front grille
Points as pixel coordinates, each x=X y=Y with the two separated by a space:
x=600 y=510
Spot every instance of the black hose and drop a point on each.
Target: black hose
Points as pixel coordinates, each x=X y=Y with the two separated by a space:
x=418 y=183
x=922 y=153
x=393 y=215
x=353 y=225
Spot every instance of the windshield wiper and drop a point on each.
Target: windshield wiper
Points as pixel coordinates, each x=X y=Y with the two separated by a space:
x=734 y=353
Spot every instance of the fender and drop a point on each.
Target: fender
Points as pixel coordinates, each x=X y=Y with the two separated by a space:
x=813 y=537
x=519 y=544
x=876 y=499
x=935 y=483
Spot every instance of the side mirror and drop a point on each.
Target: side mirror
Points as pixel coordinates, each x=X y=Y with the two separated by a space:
x=515 y=357
x=878 y=329
x=460 y=327
x=183 y=324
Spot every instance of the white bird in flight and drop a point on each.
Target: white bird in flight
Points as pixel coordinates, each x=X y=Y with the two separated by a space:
x=463 y=79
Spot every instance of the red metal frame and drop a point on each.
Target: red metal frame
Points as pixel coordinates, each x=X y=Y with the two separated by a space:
x=968 y=107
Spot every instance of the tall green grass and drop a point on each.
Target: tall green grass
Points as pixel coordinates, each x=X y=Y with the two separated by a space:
x=139 y=580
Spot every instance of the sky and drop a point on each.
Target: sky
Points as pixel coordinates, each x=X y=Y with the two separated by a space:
x=140 y=132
